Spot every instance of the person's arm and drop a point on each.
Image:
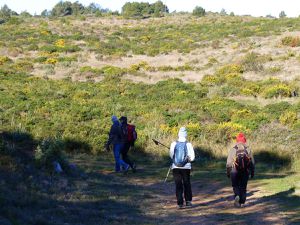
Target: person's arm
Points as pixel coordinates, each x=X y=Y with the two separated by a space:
x=191 y=152
x=252 y=164
x=110 y=137
x=229 y=162
x=172 y=147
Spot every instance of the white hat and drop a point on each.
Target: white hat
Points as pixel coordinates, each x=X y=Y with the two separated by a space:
x=182 y=132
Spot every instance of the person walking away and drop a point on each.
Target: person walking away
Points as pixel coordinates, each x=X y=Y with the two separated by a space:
x=115 y=138
x=240 y=164
x=129 y=137
x=182 y=154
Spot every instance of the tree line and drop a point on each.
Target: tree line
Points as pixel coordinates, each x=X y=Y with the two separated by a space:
x=137 y=10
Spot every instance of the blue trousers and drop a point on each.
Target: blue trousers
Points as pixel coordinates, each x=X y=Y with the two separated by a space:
x=119 y=162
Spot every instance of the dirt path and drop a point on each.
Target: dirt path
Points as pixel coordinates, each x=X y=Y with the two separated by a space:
x=213 y=204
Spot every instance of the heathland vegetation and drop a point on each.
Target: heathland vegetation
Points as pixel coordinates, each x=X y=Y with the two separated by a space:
x=64 y=73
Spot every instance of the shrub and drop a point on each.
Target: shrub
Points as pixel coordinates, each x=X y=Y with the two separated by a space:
x=48 y=151
x=231 y=68
x=4 y=60
x=224 y=132
x=275 y=110
x=288 y=118
x=211 y=80
x=291 y=41
x=199 y=11
x=252 y=62
x=220 y=109
x=279 y=90
x=249 y=119
x=52 y=61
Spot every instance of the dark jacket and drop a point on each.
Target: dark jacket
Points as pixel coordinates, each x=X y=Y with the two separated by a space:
x=115 y=134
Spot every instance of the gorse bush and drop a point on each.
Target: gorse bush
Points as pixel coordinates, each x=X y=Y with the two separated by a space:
x=49 y=151
x=288 y=118
x=279 y=90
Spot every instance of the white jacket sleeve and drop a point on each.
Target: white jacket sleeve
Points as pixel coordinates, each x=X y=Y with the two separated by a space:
x=191 y=152
x=172 y=147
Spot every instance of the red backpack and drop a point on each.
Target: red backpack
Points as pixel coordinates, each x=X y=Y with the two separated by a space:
x=131 y=133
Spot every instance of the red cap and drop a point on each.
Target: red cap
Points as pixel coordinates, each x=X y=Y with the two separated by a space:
x=241 y=138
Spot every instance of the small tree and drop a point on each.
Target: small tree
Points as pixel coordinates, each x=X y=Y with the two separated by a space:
x=223 y=12
x=5 y=13
x=160 y=8
x=45 y=13
x=199 y=11
x=25 y=14
x=282 y=14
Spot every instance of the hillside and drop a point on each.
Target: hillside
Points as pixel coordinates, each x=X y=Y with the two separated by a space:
x=62 y=78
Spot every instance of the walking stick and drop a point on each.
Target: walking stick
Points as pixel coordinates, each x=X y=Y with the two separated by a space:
x=168 y=174
x=159 y=143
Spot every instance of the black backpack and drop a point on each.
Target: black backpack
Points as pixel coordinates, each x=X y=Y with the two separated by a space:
x=180 y=157
x=242 y=159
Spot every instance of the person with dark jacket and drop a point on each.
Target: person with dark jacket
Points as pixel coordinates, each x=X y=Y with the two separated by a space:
x=240 y=164
x=128 y=142
x=181 y=173
x=116 y=139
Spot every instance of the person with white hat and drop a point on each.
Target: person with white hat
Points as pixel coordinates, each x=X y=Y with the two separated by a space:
x=182 y=153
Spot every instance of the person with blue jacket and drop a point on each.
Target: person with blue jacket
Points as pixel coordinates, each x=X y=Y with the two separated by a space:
x=115 y=138
x=182 y=153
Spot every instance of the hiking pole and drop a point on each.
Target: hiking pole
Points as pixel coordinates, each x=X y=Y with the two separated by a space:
x=159 y=143
x=168 y=174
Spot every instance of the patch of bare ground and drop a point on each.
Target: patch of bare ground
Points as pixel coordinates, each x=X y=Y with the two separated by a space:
x=206 y=59
x=263 y=101
x=213 y=204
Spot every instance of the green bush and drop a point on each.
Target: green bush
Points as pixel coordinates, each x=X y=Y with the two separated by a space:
x=279 y=90
x=231 y=68
x=277 y=109
x=199 y=11
x=288 y=118
x=48 y=151
x=291 y=41
x=252 y=62
x=224 y=132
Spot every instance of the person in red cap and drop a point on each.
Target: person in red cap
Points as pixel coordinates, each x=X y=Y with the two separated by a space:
x=240 y=164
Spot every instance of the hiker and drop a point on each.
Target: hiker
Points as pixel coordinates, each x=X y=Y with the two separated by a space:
x=115 y=138
x=129 y=137
x=240 y=164
x=182 y=153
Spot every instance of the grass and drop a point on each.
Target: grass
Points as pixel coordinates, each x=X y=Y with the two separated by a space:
x=76 y=117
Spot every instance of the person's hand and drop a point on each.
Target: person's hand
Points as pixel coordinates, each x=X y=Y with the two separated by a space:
x=228 y=170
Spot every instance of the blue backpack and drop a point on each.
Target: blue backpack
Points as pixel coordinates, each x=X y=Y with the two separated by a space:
x=180 y=157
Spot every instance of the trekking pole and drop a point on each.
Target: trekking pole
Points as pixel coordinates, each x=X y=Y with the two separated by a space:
x=168 y=174
x=159 y=143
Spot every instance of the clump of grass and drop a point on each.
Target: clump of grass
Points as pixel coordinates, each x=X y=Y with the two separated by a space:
x=252 y=62
x=291 y=41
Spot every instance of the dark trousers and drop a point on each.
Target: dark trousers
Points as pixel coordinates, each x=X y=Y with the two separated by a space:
x=239 y=182
x=124 y=154
x=183 y=185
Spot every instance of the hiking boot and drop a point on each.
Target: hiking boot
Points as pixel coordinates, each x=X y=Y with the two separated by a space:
x=126 y=169
x=180 y=207
x=237 y=201
x=133 y=167
x=189 y=204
